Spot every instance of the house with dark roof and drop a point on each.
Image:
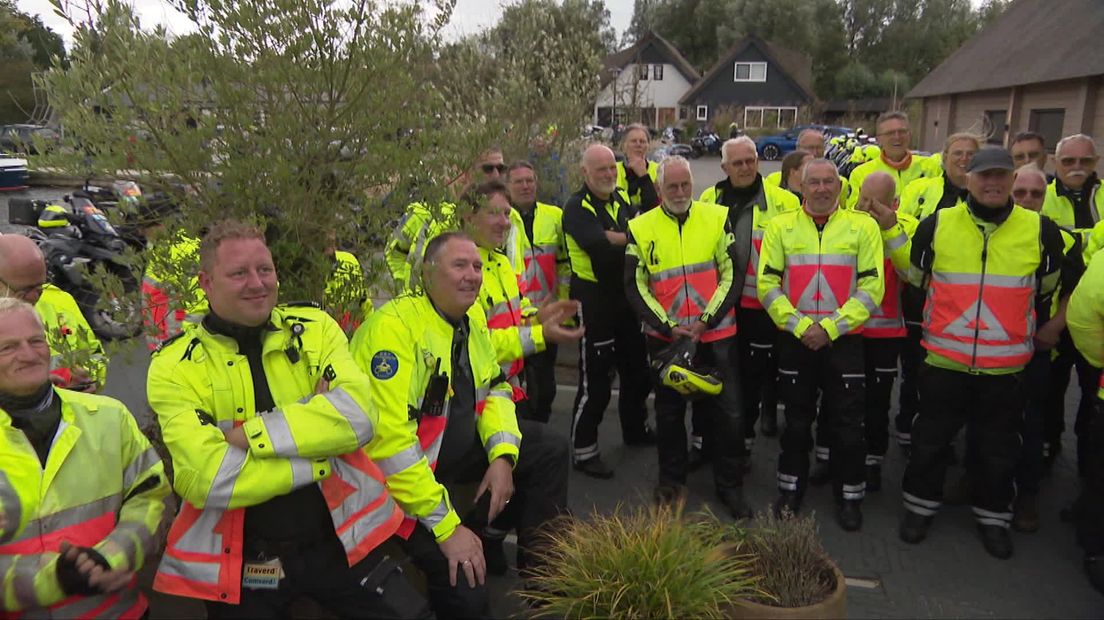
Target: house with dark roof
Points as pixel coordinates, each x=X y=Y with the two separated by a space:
x=768 y=81
x=1038 y=67
x=643 y=83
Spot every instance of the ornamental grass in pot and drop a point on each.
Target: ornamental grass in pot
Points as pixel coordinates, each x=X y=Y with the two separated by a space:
x=645 y=562
x=794 y=576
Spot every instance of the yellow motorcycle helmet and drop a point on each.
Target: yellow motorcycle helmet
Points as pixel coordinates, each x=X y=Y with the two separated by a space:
x=675 y=368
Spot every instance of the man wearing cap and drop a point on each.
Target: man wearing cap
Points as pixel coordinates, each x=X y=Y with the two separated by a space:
x=985 y=266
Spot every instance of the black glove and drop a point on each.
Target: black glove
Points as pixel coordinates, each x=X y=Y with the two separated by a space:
x=71 y=580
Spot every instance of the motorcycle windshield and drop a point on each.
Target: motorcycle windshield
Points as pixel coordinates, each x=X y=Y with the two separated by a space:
x=97 y=223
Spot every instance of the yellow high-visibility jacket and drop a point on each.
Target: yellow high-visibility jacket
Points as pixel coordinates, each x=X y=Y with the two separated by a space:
x=400 y=347
x=635 y=198
x=73 y=344
x=506 y=312
x=765 y=207
x=346 y=295
x=170 y=287
x=200 y=385
x=103 y=487
x=1085 y=315
x=916 y=170
x=420 y=224
x=547 y=268
x=1060 y=209
x=679 y=272
x=920 y=197
x=832 y=277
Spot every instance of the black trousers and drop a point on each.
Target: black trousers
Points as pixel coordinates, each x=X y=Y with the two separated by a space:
x=540 y=495
x=1029 y=469
x=880 y=363
x=755 y=341
x=992 y=407
x=1055 y=413
x=837 y=371
x=723 y=412
x=321 y=572
x=880 y=355
x=540 y=383
x=1089 y=509
x=912 y=360
x=613 y=342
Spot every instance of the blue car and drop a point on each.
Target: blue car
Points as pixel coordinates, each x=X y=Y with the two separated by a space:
x=777 y=146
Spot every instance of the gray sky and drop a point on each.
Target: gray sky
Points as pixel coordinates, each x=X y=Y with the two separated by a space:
x=468 y=17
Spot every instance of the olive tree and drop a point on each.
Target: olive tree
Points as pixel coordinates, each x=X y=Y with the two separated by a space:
x=318 y=119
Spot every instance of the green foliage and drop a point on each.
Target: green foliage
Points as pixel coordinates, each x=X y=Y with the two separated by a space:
x=319 y=120
x=640 y=563
x=26 y=46
x=907 y=36
x=791 y=566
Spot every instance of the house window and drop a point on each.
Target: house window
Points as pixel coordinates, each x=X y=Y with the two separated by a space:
x=751 y=72
x=657 y=72
x=996 y=122
x=770 y=116
x=703 y=113
x=684 y=112
x=1048 y=123
x=642 y=72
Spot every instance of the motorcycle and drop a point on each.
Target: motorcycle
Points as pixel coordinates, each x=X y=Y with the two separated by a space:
x=80 y=245
x=706 y=143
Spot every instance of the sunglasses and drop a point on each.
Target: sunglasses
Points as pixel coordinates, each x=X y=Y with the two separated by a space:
x=489 y=168
x=1024 y=193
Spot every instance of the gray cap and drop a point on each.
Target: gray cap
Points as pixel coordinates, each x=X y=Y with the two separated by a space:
x=992 y=158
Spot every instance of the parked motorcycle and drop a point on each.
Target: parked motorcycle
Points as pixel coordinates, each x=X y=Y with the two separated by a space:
x=80 y=244
x=706 y=143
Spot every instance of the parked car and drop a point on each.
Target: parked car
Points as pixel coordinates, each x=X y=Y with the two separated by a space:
x=777 y=146
x=22 y=138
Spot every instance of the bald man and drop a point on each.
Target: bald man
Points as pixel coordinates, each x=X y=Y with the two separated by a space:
x=77 y=360
x=595 y=221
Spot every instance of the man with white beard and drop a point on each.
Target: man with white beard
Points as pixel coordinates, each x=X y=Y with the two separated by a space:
x=681 y=282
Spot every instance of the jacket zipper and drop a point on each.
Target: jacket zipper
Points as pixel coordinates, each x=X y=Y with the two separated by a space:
x=682 y=259
x=820 y=264
x=981 y=298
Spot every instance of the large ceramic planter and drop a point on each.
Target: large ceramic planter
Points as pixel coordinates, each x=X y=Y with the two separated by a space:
x=835 y=606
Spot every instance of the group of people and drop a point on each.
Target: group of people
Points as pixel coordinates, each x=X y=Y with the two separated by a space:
x=306 y=464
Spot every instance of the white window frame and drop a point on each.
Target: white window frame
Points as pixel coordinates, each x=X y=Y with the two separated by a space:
x=751 y=72
x=657 y=73
x=643 y=72
x=702 y=113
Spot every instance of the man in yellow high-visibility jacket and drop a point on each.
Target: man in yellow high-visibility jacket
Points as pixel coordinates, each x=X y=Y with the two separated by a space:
x=595 y=222
x=266 y=416
x=422 y=222
x=547 y=275
x=752 y=203
x=820 y=278
x=83 y=496
x=447 y=418
x=518 y=328
x=894 y=158
x=1086 y=325
x=679 y=280
x=986 y=266
x=77 y=361
x=1075 y=200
